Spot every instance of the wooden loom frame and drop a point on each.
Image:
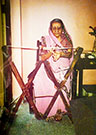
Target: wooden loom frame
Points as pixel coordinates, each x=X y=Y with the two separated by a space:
x=25 y=87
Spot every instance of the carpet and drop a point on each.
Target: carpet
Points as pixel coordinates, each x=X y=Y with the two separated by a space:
x=26 y=124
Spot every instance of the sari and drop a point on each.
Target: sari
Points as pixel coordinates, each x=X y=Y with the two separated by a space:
x=44 y=88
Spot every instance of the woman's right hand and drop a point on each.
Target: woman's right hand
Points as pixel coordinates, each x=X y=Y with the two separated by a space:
x=46 y=56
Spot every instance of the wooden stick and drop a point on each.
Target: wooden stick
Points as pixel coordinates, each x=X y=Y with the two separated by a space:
x=51 y=104
x=24 y=90
x=79 y=51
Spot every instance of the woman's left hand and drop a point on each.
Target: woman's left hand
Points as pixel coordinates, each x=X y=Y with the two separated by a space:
x=56 y=55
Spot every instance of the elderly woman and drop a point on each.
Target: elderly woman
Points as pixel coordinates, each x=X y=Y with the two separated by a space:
x=59 y=61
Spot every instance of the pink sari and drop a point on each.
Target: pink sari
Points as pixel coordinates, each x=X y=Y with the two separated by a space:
x=44 y=88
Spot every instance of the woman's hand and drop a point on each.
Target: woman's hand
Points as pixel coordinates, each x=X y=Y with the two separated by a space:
x=66 y=54
x=56 y=55
x=46 y=56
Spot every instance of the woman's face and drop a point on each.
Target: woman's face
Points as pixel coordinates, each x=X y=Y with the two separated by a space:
x=56 y=29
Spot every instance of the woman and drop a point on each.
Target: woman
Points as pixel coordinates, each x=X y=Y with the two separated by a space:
x=59 y=62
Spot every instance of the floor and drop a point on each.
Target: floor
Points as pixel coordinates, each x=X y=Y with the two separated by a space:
x=83 y=114
x=26 y=124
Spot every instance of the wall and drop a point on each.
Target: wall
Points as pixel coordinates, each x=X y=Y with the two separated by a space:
x=35 y=16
